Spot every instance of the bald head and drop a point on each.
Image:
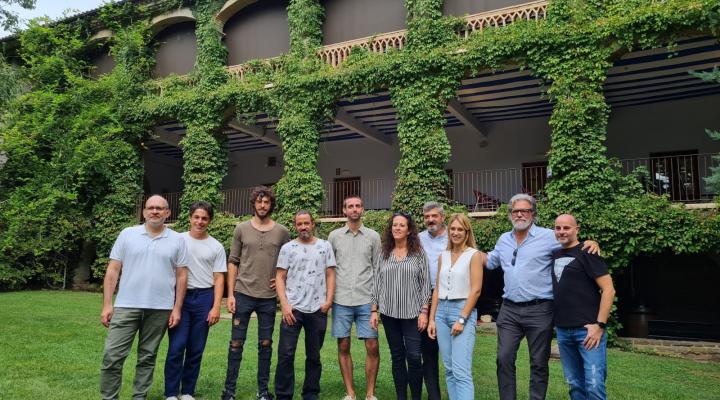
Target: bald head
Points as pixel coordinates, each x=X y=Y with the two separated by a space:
x=566 y=230
x=156 y=200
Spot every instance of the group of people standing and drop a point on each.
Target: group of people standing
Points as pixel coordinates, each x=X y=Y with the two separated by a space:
x=423 y=287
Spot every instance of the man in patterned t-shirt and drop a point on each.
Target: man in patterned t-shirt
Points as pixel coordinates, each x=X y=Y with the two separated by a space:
x=584 y=293
x=305 y=284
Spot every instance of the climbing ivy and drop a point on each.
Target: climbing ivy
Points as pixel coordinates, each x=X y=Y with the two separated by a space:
x=74 y=167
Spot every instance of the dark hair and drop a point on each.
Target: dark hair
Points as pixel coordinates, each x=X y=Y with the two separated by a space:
x=413 y=241
x=352 y=196
x=258 y=193
x=304 y=212
x=202 y=205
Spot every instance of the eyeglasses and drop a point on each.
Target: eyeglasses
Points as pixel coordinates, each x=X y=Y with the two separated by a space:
x=155 y=208
x=521 y=211
x=402 y=214
x=514 y=257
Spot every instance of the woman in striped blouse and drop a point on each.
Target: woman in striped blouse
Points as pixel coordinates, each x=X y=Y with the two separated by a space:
x=401 y=296
x=453 y=317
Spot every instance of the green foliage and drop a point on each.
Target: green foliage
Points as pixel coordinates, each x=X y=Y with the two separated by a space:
x=9 y=19
x=74 y=145
x=11 y=84
x=713 y=181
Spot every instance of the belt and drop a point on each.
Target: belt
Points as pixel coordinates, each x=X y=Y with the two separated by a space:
x=199 y=290
x=526 y=303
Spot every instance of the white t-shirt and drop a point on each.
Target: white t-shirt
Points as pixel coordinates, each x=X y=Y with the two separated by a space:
x=205 y=256
x=148 y=267
x=305 y=287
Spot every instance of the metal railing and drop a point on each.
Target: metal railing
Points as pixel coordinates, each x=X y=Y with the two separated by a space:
x=680 y=177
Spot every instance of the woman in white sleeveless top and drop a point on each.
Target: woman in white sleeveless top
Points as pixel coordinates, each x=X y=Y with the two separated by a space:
x=453 y=315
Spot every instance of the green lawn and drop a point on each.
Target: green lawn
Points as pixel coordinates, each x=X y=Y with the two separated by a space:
x=51 y=346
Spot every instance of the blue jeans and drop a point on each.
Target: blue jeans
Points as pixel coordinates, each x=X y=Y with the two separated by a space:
x=585 y=370
x=187 y=343
x=456 y=351
x=344 y=316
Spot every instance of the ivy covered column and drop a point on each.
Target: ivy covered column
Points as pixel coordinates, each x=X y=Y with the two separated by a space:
x=580 y=171
x=204 y=146
x=302 y=104
x=421 y=102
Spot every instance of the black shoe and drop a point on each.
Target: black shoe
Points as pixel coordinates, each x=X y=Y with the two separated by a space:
x=227 y=397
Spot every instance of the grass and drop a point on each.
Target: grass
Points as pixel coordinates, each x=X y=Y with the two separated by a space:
x=51 y=345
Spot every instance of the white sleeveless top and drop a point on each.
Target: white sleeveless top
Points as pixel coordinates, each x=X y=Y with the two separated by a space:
x=454 y=280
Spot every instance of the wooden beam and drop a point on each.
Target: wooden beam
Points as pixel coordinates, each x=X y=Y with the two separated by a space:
x=460 y=112
x=260 y=133
x=348 y=121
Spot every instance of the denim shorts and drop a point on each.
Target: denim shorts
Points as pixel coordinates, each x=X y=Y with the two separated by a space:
x=343 y=317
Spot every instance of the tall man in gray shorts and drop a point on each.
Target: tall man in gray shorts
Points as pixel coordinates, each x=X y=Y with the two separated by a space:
x=356 y=251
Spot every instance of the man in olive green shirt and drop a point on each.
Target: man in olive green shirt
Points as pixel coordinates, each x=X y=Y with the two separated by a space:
x=357 y=249
x=250 y=282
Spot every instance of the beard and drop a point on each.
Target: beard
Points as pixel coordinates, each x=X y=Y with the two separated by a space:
x=519 y=225
x=433 y=228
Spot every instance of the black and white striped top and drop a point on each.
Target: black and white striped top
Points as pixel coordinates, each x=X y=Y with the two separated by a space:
x=402 y=287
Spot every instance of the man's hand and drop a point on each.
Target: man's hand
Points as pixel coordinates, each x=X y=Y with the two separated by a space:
x=174 y=319
x=591 y=247
x=457 y=329
x=106 y=315
x=230 y=303
x=374 y=320
x=287 y=313
x=325 y=308
x=213 y=316
x=431 y=330
x=422 y=322
x=594 y=334
x=272 y=283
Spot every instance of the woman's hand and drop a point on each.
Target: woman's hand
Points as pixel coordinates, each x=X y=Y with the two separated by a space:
x=422 y=322
x=431 y=329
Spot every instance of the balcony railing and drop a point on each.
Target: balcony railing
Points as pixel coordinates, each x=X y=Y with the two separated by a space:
x=335 y=54
x=680 y=177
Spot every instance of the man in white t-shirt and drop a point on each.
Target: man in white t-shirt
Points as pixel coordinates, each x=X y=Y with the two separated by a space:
x=153 y=262
x=201 y=309
x=305 y=286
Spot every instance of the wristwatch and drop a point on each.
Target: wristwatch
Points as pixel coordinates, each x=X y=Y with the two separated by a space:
x=601 y=324
x=462 y=320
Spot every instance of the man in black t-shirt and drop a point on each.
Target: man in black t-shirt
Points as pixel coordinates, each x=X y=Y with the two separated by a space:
x=584 y=293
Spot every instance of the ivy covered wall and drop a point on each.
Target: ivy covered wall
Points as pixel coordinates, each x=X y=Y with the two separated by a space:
x=73 y=176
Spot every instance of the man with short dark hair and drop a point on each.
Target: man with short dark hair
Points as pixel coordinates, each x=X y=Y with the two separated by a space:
x=525 y=255
x=201 y=308
x=434 y=240
x=584 y=294
x=153 y=262
x=250 y=283
x=356 y=250
x=305 y=286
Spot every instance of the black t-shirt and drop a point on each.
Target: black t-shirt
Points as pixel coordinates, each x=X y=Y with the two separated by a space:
x=577 y=295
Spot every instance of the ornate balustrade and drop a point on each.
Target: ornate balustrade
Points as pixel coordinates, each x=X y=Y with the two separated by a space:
x=336 y=53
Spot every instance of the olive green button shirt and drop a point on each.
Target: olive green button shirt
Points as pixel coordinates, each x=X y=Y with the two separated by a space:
x=357 y=256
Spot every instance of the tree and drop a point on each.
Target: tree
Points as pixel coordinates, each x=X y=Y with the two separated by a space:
x=712 y=181
x=9 y=19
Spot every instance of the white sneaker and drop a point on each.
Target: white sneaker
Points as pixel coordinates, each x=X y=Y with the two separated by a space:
x=371 y=397
x=348 y=397
x=172 y=398
x=186 y=397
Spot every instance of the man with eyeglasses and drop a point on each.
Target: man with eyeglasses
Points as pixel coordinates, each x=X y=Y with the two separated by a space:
x=434 y=240
x=525 y=255
x=153 y=262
